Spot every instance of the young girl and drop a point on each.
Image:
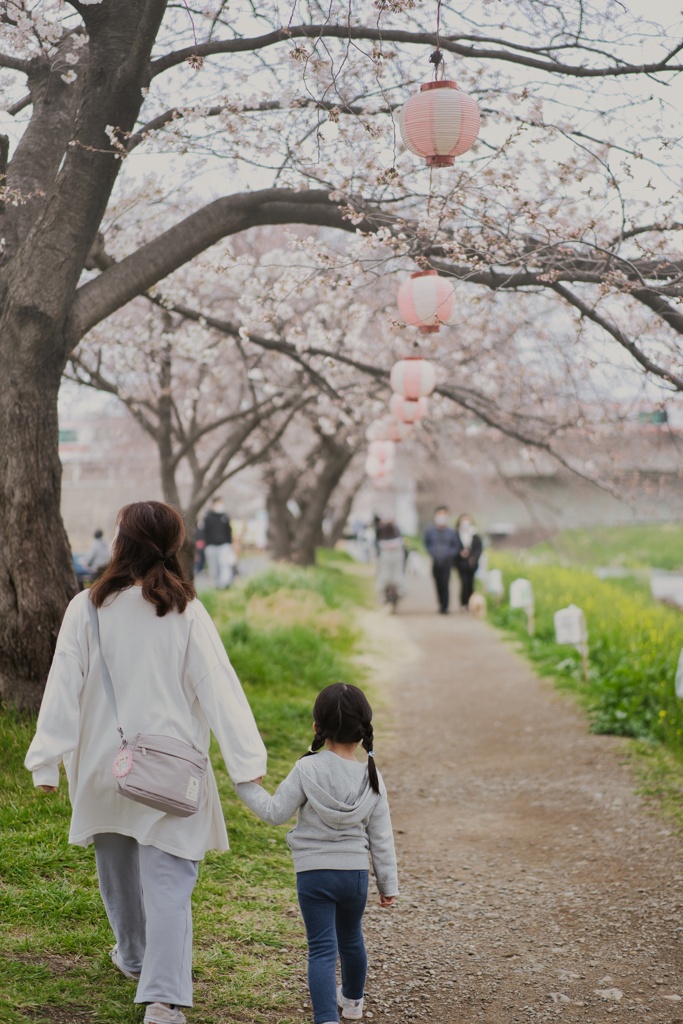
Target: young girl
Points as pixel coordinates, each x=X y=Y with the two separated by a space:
x=342 y=814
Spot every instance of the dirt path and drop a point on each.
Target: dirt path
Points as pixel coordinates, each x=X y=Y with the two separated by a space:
x=536 y=886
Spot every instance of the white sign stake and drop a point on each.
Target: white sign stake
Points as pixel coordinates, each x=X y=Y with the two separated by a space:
x=522 y=596
x=570 y=628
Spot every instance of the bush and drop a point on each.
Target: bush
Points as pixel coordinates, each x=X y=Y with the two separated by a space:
x=634 y=646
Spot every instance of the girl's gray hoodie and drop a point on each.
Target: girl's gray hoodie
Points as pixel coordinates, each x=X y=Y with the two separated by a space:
x=340 y=817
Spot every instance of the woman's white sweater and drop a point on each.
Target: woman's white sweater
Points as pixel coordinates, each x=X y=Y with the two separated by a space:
x=171 y=676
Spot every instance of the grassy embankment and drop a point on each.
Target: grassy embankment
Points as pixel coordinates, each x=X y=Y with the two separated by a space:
x=657 y=546
x=634 y=647
x=288 y=633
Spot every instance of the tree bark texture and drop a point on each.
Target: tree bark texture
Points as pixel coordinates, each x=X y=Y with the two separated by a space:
x=36 y=572
x=295 y=537
x=76 y=172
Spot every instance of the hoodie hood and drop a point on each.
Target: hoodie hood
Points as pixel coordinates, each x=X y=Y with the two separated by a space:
x=338 y=790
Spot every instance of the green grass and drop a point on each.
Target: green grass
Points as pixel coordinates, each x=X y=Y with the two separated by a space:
x=659 y=546
x=249 y=961
x=634 y=648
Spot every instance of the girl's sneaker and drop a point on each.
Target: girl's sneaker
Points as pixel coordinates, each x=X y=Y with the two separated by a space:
x=352 y=1009
x=157 y=1013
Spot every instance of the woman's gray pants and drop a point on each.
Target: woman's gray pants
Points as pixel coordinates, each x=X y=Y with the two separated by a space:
x=147 y=895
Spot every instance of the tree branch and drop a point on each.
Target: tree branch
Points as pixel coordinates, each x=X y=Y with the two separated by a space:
x=448 y=43
x=12 y=63
x=16 y=108
x=592 y=314
x=658 y=304
x=176 y=113
x=144 y=268
x=229 y=328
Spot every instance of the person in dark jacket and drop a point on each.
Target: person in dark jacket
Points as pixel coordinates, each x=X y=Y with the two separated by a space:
x=467 y=559
x=216 y=532
x=443 y=546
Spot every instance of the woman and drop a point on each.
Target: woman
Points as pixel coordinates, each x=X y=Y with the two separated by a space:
x=171 y=677
x=467 y=559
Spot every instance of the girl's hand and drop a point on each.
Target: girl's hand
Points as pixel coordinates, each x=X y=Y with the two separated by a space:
x=47 y=789
x=386 y=901
x=257 y=782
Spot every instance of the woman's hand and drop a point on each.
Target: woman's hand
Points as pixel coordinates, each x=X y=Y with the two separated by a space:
x=47 y=789
x=386 y=901
x=257 y=782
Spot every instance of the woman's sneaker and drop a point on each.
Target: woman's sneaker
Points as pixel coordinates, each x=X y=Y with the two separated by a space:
x=352 y=1009
x=157 y=1013
x=114 y=955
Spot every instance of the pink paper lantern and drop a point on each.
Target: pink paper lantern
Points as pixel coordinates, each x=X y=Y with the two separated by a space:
x=412 y=378
x=376 y=469
x=426 y=300
x=407 y=411
x=374 y=431
x=439 y=123
x=384 y=451
x=388 y=429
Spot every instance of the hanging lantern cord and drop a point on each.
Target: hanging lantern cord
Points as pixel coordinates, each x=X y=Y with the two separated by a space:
x=437 y=57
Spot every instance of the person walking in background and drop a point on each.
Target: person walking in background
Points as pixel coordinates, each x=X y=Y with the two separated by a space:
x=442 y=545
x=171 y=676
x=467 y=559
x=391 y=562
x=216 y=532
x=342 y=814
x=98 y=555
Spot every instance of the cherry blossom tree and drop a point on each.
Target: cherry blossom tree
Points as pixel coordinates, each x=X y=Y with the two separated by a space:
x=208 y=406
x=298 y=102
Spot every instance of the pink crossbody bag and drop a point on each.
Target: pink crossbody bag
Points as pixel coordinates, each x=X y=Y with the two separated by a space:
x=159 y=771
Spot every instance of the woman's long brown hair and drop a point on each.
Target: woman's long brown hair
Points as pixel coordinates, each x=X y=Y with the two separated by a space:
x=148 y=539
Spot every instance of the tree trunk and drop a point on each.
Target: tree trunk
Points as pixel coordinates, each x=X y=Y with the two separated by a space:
x=336 y=531
x=309 y=527
x=38 y=284
x=36 y=570
x=187 y=552
x=280 y=519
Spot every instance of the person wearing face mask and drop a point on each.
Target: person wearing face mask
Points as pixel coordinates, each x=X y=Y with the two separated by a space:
x=443 y=546
x=467 y=559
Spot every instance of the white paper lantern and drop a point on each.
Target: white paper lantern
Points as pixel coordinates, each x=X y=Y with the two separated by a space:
x=383 y=451
x=439 y=123
x=406 y=411
x=412 y=378
x=388 y=429
x=426 y=301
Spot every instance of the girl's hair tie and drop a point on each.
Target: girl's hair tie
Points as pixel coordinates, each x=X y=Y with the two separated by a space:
x=371 y=753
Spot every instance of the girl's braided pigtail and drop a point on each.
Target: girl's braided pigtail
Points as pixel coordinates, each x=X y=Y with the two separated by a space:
x=317 y=743
x=368 y=741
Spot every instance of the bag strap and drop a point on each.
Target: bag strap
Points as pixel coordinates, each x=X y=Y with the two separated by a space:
x=104 y=669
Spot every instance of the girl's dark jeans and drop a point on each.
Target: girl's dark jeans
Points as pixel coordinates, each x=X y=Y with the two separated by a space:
x=332 y=905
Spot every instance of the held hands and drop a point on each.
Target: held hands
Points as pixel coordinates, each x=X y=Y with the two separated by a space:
x=47 y=789
x=257 y=782
x=386 y=901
